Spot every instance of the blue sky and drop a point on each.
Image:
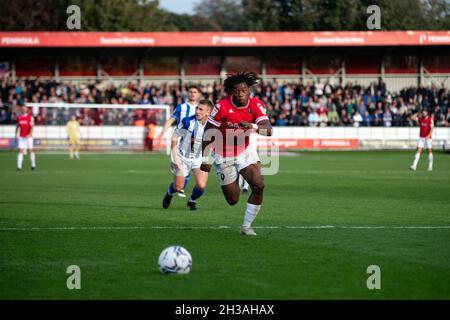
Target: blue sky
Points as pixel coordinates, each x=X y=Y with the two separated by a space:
x=178 y=6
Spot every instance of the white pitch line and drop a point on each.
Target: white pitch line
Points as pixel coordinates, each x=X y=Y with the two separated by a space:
x=212 y=227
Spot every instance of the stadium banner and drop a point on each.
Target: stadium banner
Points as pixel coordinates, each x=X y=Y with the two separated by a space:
x=295 y=144
x=224 y=39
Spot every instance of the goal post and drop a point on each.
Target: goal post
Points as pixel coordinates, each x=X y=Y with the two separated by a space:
x=117 y=127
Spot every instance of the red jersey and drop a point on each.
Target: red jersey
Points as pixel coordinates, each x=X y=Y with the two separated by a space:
x=322 y=110
x=24 y=122
x=227 y=116
x=425 y=126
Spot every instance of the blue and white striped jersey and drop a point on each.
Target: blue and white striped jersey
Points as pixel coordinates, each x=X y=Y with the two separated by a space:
x=182 y=111
x=190 y=134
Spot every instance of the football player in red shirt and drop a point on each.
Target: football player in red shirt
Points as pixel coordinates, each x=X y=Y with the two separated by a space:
x=227 y=135
x=24 y=137
x=426 y=125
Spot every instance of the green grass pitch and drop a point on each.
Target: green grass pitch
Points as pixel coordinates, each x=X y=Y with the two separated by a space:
x=103 y=213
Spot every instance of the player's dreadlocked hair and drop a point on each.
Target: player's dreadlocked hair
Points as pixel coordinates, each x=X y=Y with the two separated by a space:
x=247 y=77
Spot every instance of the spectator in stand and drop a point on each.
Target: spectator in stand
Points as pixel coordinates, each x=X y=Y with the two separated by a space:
x=366 y=119
x=281 y=120
x=357 y=119
x=313 y=118
x=318 y=88
x=448 y=116
x=304 y=119
x=323 y=115
x=149 y=135
x=294 y=118
x=387 y=118
x=345 y=118
x=333 y=117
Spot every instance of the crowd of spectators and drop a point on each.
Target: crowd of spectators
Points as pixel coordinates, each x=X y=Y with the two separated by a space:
x=294 y=103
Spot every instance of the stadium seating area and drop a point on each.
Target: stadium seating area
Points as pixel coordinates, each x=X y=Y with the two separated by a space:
x=288 y=104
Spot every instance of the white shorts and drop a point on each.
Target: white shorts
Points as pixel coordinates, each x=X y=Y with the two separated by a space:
x=25 y=143
x=187 y=164
x=425 y=143
x=228 y=169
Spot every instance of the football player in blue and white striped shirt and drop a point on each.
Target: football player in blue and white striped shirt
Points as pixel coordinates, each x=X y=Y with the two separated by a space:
x=186 y=154
x=182 y=111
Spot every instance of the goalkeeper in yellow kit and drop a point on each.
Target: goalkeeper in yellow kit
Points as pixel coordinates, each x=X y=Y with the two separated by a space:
x=73 y=134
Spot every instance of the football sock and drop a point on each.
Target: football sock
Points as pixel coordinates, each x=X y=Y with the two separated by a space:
x=186 y=181
x=430 y=160
x=33 y=159
x=171 y=190
x=19 y=160
x=250 y=214
x=416 y=159
x=196 y=193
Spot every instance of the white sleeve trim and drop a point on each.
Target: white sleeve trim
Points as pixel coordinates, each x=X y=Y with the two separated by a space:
x=261 y=119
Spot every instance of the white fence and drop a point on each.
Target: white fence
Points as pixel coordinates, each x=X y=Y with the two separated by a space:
x=132 y=138
x=361 y=133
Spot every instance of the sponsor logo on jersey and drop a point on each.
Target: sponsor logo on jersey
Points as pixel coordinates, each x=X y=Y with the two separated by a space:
x=261 y=107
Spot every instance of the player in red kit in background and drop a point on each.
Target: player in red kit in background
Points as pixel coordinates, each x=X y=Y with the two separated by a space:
x=227 y=135
x=426 y=125
x=24 y=131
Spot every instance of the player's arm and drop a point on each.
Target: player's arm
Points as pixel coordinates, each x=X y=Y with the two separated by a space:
x=166 y=126
x=431 y=129
x=261 y=121
x=263 y=128
x=209 y=134
x=207 y=141
x=173 y=149
x=169 y=122
x=17 y=130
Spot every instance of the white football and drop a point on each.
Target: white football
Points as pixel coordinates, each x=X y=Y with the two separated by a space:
x=175 y=260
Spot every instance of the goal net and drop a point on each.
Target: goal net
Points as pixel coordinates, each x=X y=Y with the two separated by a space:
x=103 y=127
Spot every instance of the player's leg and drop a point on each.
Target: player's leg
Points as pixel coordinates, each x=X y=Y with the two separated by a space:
x=179 y=176
x=416 y=159
x=420 y=146
x=71 y=148
x=174 y=187
x=32 y=154
x=243 y=184
x=429 y=146
x=252 y=174
x=181 y=193
x=20 y=157
x=201 y=179
x=77 y=148
x=229 y=181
